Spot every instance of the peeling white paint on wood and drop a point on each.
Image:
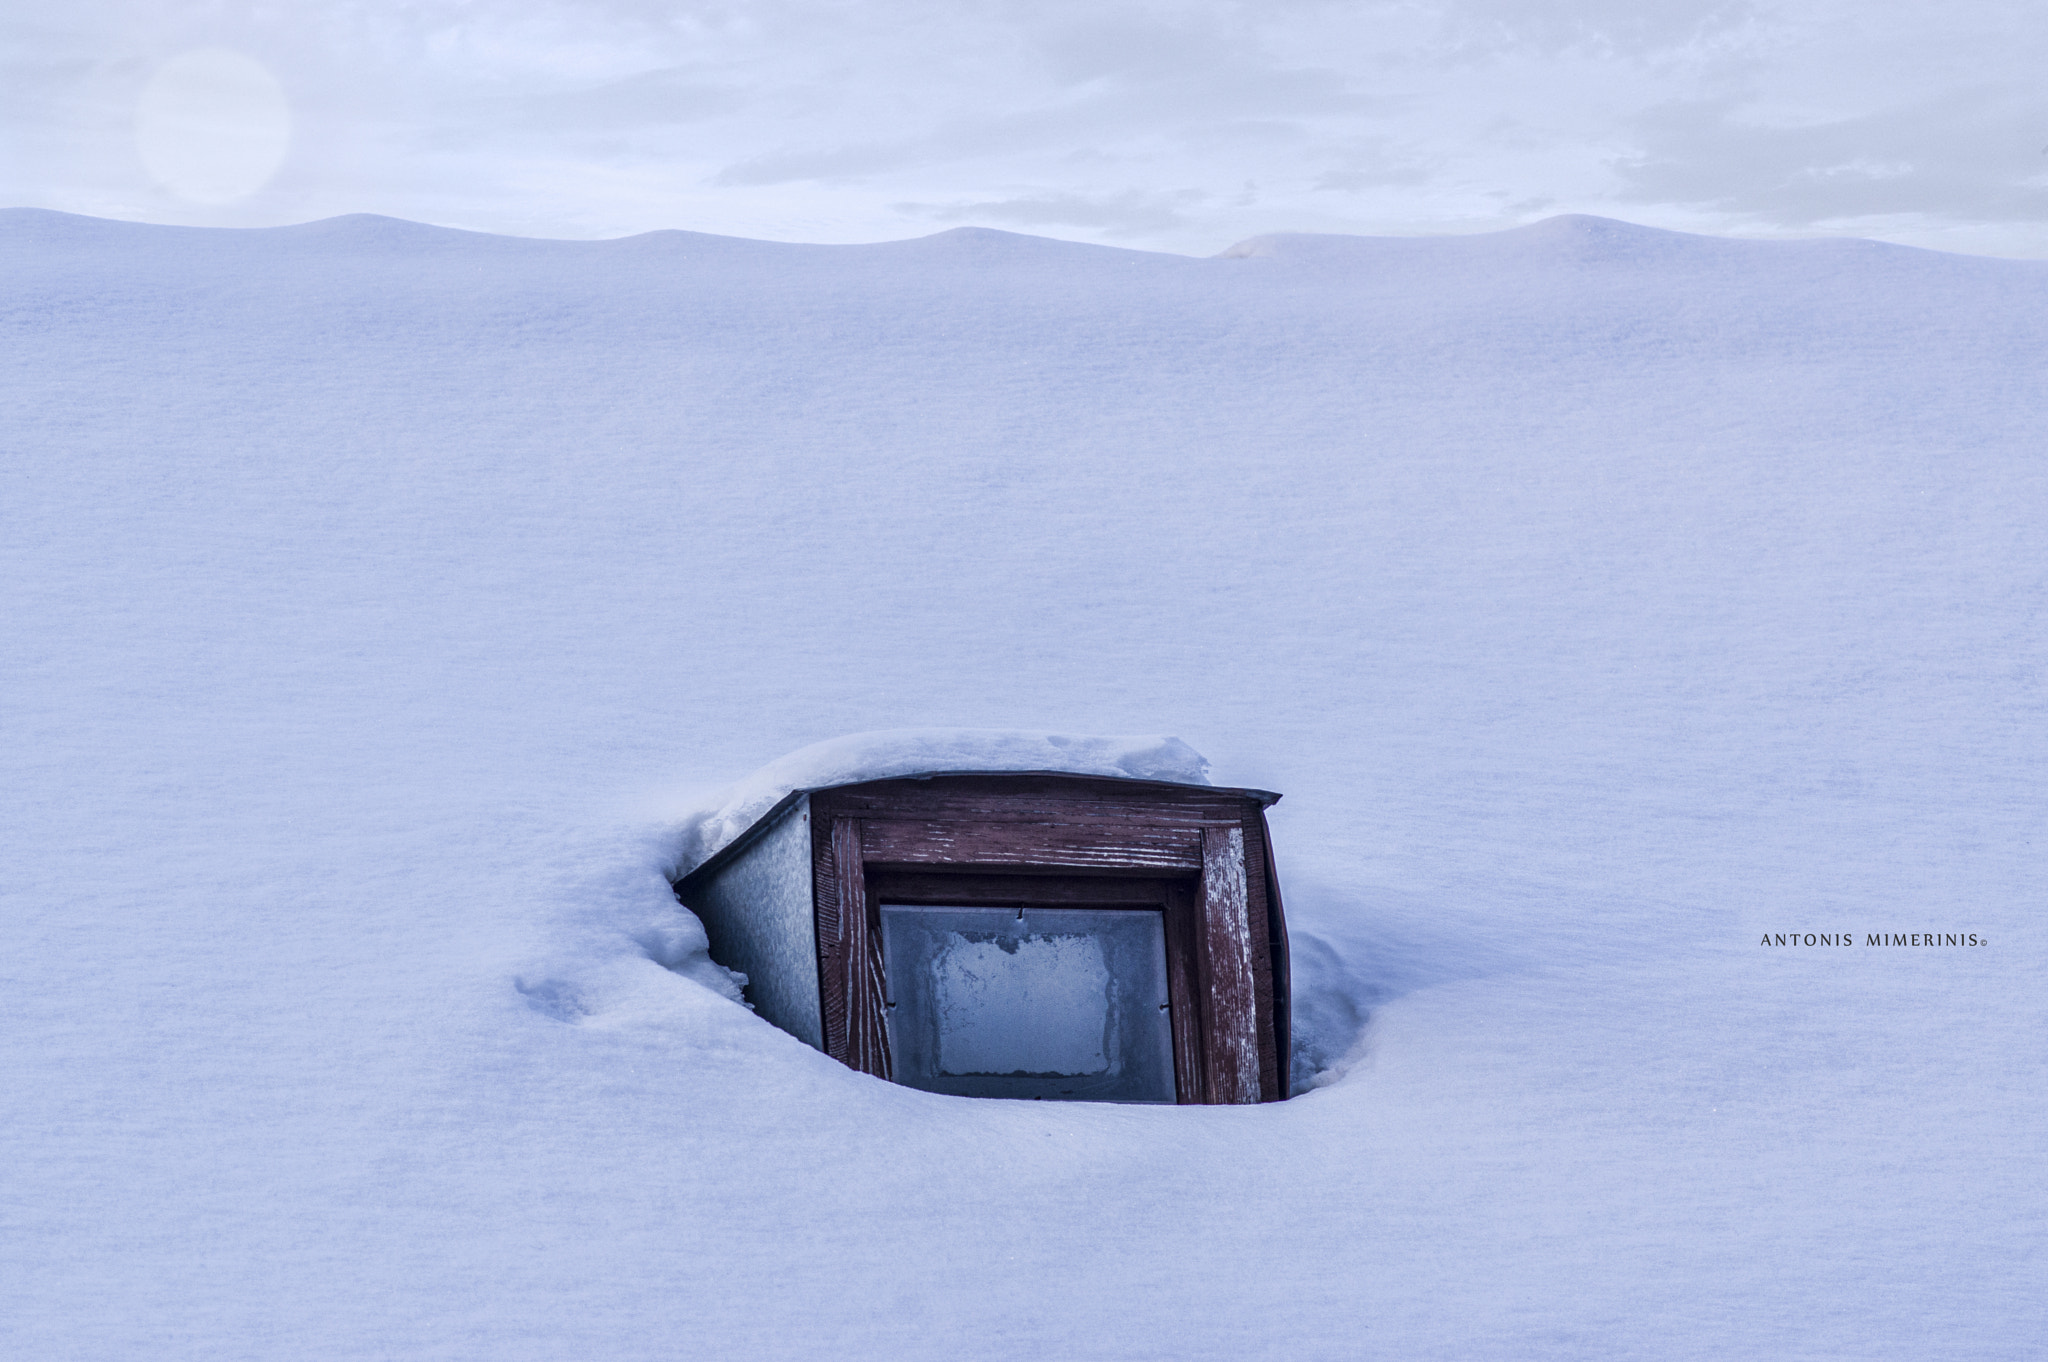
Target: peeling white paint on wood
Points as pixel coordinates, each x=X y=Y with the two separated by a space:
x=1233 y=1052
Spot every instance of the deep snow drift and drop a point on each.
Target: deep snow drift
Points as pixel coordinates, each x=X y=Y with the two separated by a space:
x=379 y=597
x=708 y=829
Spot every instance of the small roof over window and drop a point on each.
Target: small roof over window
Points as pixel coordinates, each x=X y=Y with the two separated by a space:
x=1003 y=914
x=892 y=753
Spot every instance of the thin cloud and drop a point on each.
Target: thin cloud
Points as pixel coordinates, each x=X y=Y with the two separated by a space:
x=1972 y=156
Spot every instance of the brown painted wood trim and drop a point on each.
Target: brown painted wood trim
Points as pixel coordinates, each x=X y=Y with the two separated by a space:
x=860 y=956
x=1184 y=995
x=974 y=888
x=1232 y=1052
x=1065 y=846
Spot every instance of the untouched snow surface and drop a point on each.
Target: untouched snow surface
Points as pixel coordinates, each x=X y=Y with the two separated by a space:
x=378 y=598
x=926 y=751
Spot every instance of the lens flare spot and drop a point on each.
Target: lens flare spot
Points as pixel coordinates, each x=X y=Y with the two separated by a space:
x=212 y=125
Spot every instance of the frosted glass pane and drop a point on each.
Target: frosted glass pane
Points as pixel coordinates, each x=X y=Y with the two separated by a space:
x=1035 y=1005
x=1046 y=1003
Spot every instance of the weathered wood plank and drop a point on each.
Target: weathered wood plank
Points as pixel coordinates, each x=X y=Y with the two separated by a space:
x=1232 y=1054
x=1183 y=994
x=1049 y=811
x=971 y=889
x=1053 y=845
x=860 y=956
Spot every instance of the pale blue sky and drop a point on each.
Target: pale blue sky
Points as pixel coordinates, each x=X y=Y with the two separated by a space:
x=1175 y=126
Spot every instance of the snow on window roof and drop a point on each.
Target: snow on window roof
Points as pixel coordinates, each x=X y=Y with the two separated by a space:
x=888 y=753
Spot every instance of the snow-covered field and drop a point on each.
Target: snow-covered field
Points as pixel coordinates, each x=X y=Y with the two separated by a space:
x=378 y=599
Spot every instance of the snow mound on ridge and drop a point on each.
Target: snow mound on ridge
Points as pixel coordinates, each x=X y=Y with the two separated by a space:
x=1570 y=238
x=892 y=752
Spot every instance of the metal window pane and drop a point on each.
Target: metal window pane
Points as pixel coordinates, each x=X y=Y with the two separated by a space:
x=1057 y=1003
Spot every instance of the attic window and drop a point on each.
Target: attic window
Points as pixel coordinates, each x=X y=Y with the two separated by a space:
x=1023 y=935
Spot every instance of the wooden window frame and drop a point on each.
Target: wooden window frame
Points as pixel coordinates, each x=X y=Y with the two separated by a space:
x=1201 y=857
